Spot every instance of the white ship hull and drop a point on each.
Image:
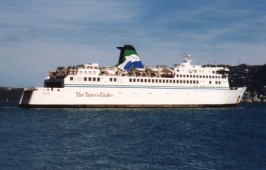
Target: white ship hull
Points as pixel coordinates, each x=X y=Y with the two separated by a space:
x=131 y=97
x=130 y=84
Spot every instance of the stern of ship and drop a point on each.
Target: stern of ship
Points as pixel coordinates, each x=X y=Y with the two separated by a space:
x=26 y=97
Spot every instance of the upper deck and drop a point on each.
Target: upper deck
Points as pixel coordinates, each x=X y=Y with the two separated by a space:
x=130 y=72
x=183 y=75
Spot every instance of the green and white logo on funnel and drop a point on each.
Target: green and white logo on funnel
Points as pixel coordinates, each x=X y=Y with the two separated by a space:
x=129 y=58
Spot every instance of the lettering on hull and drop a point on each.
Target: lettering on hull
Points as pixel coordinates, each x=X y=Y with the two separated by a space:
x=87 y=94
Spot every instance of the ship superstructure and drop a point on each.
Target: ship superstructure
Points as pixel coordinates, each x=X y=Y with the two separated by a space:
x=130 y=84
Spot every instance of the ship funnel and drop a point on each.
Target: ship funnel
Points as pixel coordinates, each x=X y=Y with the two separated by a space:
x=129 y=58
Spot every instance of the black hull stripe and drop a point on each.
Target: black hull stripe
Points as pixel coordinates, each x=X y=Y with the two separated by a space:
x=127 y=106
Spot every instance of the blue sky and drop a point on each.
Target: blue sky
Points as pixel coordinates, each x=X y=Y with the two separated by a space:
x=38 y=36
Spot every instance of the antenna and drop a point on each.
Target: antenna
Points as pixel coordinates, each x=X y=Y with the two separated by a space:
x=209 y=56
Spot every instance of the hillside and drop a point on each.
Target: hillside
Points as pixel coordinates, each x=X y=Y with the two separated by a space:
x=10 y=94
x=253 y=77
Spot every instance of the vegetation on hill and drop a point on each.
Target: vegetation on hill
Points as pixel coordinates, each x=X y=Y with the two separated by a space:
x=253 y=77
x=10 y=94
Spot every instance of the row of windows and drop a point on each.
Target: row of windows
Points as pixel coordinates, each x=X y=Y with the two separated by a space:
x=170 y=81
x=88 y=79
x=178 y=75
x=216 y=82
x=91 y=79
x=164 y=81
x=201 y=76
x=87 y=72
x=149 y=80
x=94 y=79
x=112 y=79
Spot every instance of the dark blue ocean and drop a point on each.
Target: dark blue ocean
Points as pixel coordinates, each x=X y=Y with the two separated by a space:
x=214 y=138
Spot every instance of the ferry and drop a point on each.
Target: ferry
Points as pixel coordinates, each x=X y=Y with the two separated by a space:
x=130 y=84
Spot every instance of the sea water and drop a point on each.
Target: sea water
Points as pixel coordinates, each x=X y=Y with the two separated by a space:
x=204 y=138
